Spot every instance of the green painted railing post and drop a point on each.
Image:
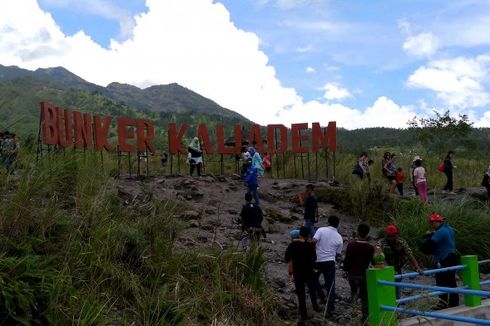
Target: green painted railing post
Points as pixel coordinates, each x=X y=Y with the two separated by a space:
x=471 y=278
x=381 y=295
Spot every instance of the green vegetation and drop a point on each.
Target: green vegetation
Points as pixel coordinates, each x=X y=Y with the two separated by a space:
x=72 y=253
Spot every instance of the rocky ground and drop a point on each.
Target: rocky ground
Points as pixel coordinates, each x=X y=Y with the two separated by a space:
x=212 y=206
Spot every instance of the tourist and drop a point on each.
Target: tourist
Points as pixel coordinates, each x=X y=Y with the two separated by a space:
x=420 y=181
x=252 y=181
x=194 y=157
x=448 y=171
x=251 y=217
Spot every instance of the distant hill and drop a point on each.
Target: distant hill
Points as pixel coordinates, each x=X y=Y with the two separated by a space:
x=21 y=91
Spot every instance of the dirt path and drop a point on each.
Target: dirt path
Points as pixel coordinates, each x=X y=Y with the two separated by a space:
x=212 y=207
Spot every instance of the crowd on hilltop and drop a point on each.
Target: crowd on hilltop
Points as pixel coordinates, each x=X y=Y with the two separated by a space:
x=9 y=150
x=395 y=176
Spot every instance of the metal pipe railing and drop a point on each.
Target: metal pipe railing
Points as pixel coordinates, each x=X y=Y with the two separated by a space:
x=485 y=294
x=430 y=271
x=463 y=319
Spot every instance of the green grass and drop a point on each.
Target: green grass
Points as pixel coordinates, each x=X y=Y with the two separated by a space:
x=72 y=253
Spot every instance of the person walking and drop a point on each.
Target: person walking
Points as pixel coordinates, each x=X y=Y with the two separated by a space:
x=397 y=252
x=358 y=256
x=448 y=171
x=251 y=216
x=400 y=179
x=328 y=243
x=420 y=181
x=310 y=203
x=300 y=256
x=252 y=181
x=256 y=160
x=389 y=170
x=194 y=156
x=444 y=244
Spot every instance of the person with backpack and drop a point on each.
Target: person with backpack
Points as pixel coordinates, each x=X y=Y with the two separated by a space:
x=251 y=217
x=310 y=203
x=443 y=242
x=301 y=256
x=256 y=160
x=358 y=256
x=397 y=252
x=448 y=171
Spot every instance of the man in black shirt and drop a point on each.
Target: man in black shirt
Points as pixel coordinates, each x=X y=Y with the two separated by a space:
x=301 y=255
x=310 y=204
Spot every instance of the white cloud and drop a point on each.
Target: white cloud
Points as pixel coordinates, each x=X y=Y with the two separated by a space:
x=333 y=91
x=458 y=82
x=310 y=70
x=421 y=45
x=484 y=121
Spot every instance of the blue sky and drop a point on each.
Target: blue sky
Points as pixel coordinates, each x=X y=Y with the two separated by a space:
x=361 y=63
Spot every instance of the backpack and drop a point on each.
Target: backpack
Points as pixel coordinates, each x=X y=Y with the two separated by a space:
x=426 y=245
x=442 y=167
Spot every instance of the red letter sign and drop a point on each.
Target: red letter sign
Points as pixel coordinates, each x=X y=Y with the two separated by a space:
x=48 y=123
x=272 y=141
x=124 y=134
x=144 y=140
x=174 y=140
x=83 y=132
x=329 y=136
x=297 y=137
x=101 y=131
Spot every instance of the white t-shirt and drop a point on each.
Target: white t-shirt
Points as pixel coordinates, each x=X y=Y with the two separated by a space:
x=419 y=174
x=329 y=243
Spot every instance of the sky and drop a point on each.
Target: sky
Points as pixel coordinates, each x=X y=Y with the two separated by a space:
x=361 y=63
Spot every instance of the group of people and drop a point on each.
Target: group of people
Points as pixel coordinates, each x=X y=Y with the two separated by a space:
x=314 y=253
x=396 y=178
x=9 y=150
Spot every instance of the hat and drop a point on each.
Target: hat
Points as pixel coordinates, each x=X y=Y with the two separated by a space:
x=251 y=150
x=294 y=234
x=436 y=218
x=416 y=157
x=391 y=230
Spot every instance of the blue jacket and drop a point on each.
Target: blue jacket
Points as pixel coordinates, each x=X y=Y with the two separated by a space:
x=251 y=177
x=444 y=241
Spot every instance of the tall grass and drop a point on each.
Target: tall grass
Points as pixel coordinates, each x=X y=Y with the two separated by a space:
x=72 y=253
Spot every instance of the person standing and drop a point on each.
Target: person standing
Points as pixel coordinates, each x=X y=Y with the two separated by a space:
x=310 y=203
x=194 y=157
x=448 y=171
x=389 y=170
x=486 y=181
x=252 y=217
x=252 y=181
x=300 y=256
x=267 y=162
x=400 y=179
x=444 y=244
x=328 y=244
x=397 y=252
x=358 y=256
x=420 y=181
x=256 y=160
x=412 y=168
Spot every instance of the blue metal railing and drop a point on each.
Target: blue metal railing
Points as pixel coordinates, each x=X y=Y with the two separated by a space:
x=437 y=315
x=430 y=272
x=485 y=294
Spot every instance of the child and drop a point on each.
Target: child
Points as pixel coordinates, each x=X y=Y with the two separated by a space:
x=400 y=179
x=358 y=256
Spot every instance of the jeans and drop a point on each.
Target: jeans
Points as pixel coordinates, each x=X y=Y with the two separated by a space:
x=252 y=189
x=327 y=268
x=300 y=292
x=311 y=225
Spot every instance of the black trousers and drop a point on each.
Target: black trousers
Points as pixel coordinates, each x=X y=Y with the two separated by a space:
x=299 y=284
x=449 y=182
x=448 y=279
x=198 y=166
x=358 y=286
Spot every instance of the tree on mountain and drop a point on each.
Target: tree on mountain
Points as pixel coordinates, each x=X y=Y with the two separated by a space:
x=443 y=132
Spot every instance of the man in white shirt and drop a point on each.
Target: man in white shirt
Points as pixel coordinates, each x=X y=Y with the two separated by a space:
x=328 y=243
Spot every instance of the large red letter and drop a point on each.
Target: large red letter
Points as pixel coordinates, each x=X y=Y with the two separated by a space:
x=202 y=133
x=101 y=131
x=64 y=127
x=175 y=140
x=297 y=137
x=83 y=132
x=329 y=136
x=144 y=140
x=124 y=134
x=48 y=124
x=220 y=138
x=255 y=137
x=272 y=141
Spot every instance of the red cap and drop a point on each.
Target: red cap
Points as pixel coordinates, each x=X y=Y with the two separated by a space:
x=436 y=218
x=391 y=229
